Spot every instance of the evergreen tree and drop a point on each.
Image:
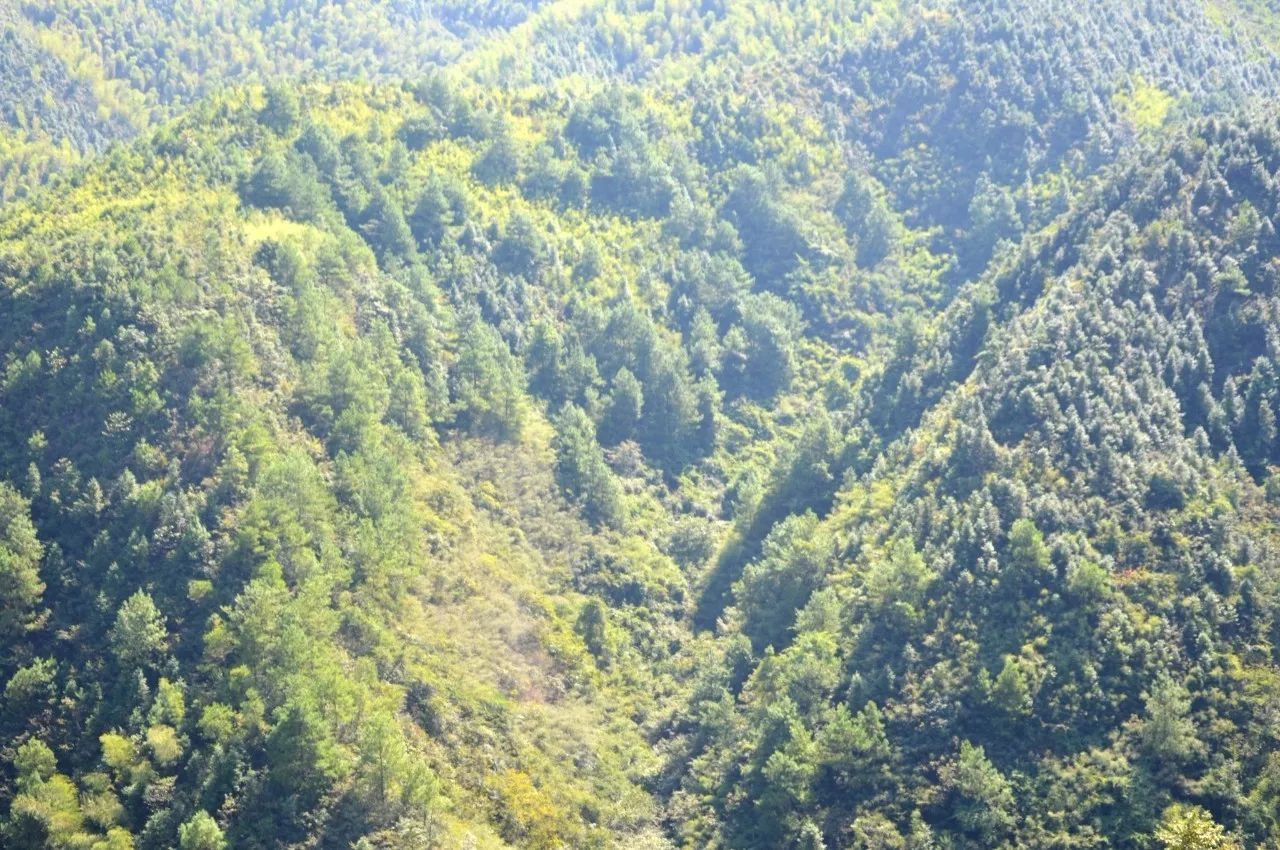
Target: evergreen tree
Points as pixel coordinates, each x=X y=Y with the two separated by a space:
x=581 y=470
x=20 y=554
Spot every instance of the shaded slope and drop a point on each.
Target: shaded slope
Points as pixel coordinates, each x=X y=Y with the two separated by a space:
x=1062 y=582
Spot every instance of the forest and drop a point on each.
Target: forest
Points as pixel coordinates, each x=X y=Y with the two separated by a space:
x=640 y=425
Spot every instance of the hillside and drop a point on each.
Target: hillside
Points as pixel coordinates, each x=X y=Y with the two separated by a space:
x=635 y=425
x=1050 y=588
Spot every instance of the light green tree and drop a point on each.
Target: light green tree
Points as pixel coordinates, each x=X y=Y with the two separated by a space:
x=1186 y=827
x=201 y=833
x=139 y=633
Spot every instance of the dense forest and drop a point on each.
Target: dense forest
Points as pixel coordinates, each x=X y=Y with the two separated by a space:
x=640 y=424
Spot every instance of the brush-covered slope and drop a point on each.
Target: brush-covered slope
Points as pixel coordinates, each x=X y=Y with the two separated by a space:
x=1046 y=614
x=260 y=586
x=700 y=425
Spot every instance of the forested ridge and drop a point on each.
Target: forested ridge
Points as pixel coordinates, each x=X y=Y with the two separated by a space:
x=639 y=425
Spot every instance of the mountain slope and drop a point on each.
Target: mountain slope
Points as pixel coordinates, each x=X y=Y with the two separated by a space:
x=779 y=425
x=263 y=492
x=1055 y=587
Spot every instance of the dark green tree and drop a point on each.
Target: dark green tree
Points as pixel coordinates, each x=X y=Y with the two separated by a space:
x=581 y=470
x=488 y=385
x=282 y=110
x=20 y=554
x=623 y=409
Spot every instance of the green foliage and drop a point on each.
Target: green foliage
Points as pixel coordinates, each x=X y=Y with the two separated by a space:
x=284 y=182
x=1185 y=827
x=521 y=250
x=774 y=587
x=774 y=243
x=487 y=386
x=431 y=216
x=34 y=763
x=1168 y=735
x=501 y=160
x=201 y=832
x=581 y=470
x=304 y=756
x=1027 y=557
x=939 y=394
x=592 y=626
x=896 y=586
x=1011 y=692
x=623 y=409
x=20 y=554
x=983 y=799
x=759 y=352
x=386 y=229
x=31 y=682
x=865 y=213
x=139 y=636
x=282 y=111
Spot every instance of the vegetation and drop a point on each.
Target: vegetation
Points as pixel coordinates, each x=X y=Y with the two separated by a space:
x=612 y=424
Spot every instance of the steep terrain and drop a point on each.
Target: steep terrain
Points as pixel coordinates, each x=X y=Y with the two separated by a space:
x=639 y=425
x=1038 y=619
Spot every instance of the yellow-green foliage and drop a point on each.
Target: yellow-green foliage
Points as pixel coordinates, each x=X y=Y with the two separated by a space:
x=1144 y=104
x=300 y=374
